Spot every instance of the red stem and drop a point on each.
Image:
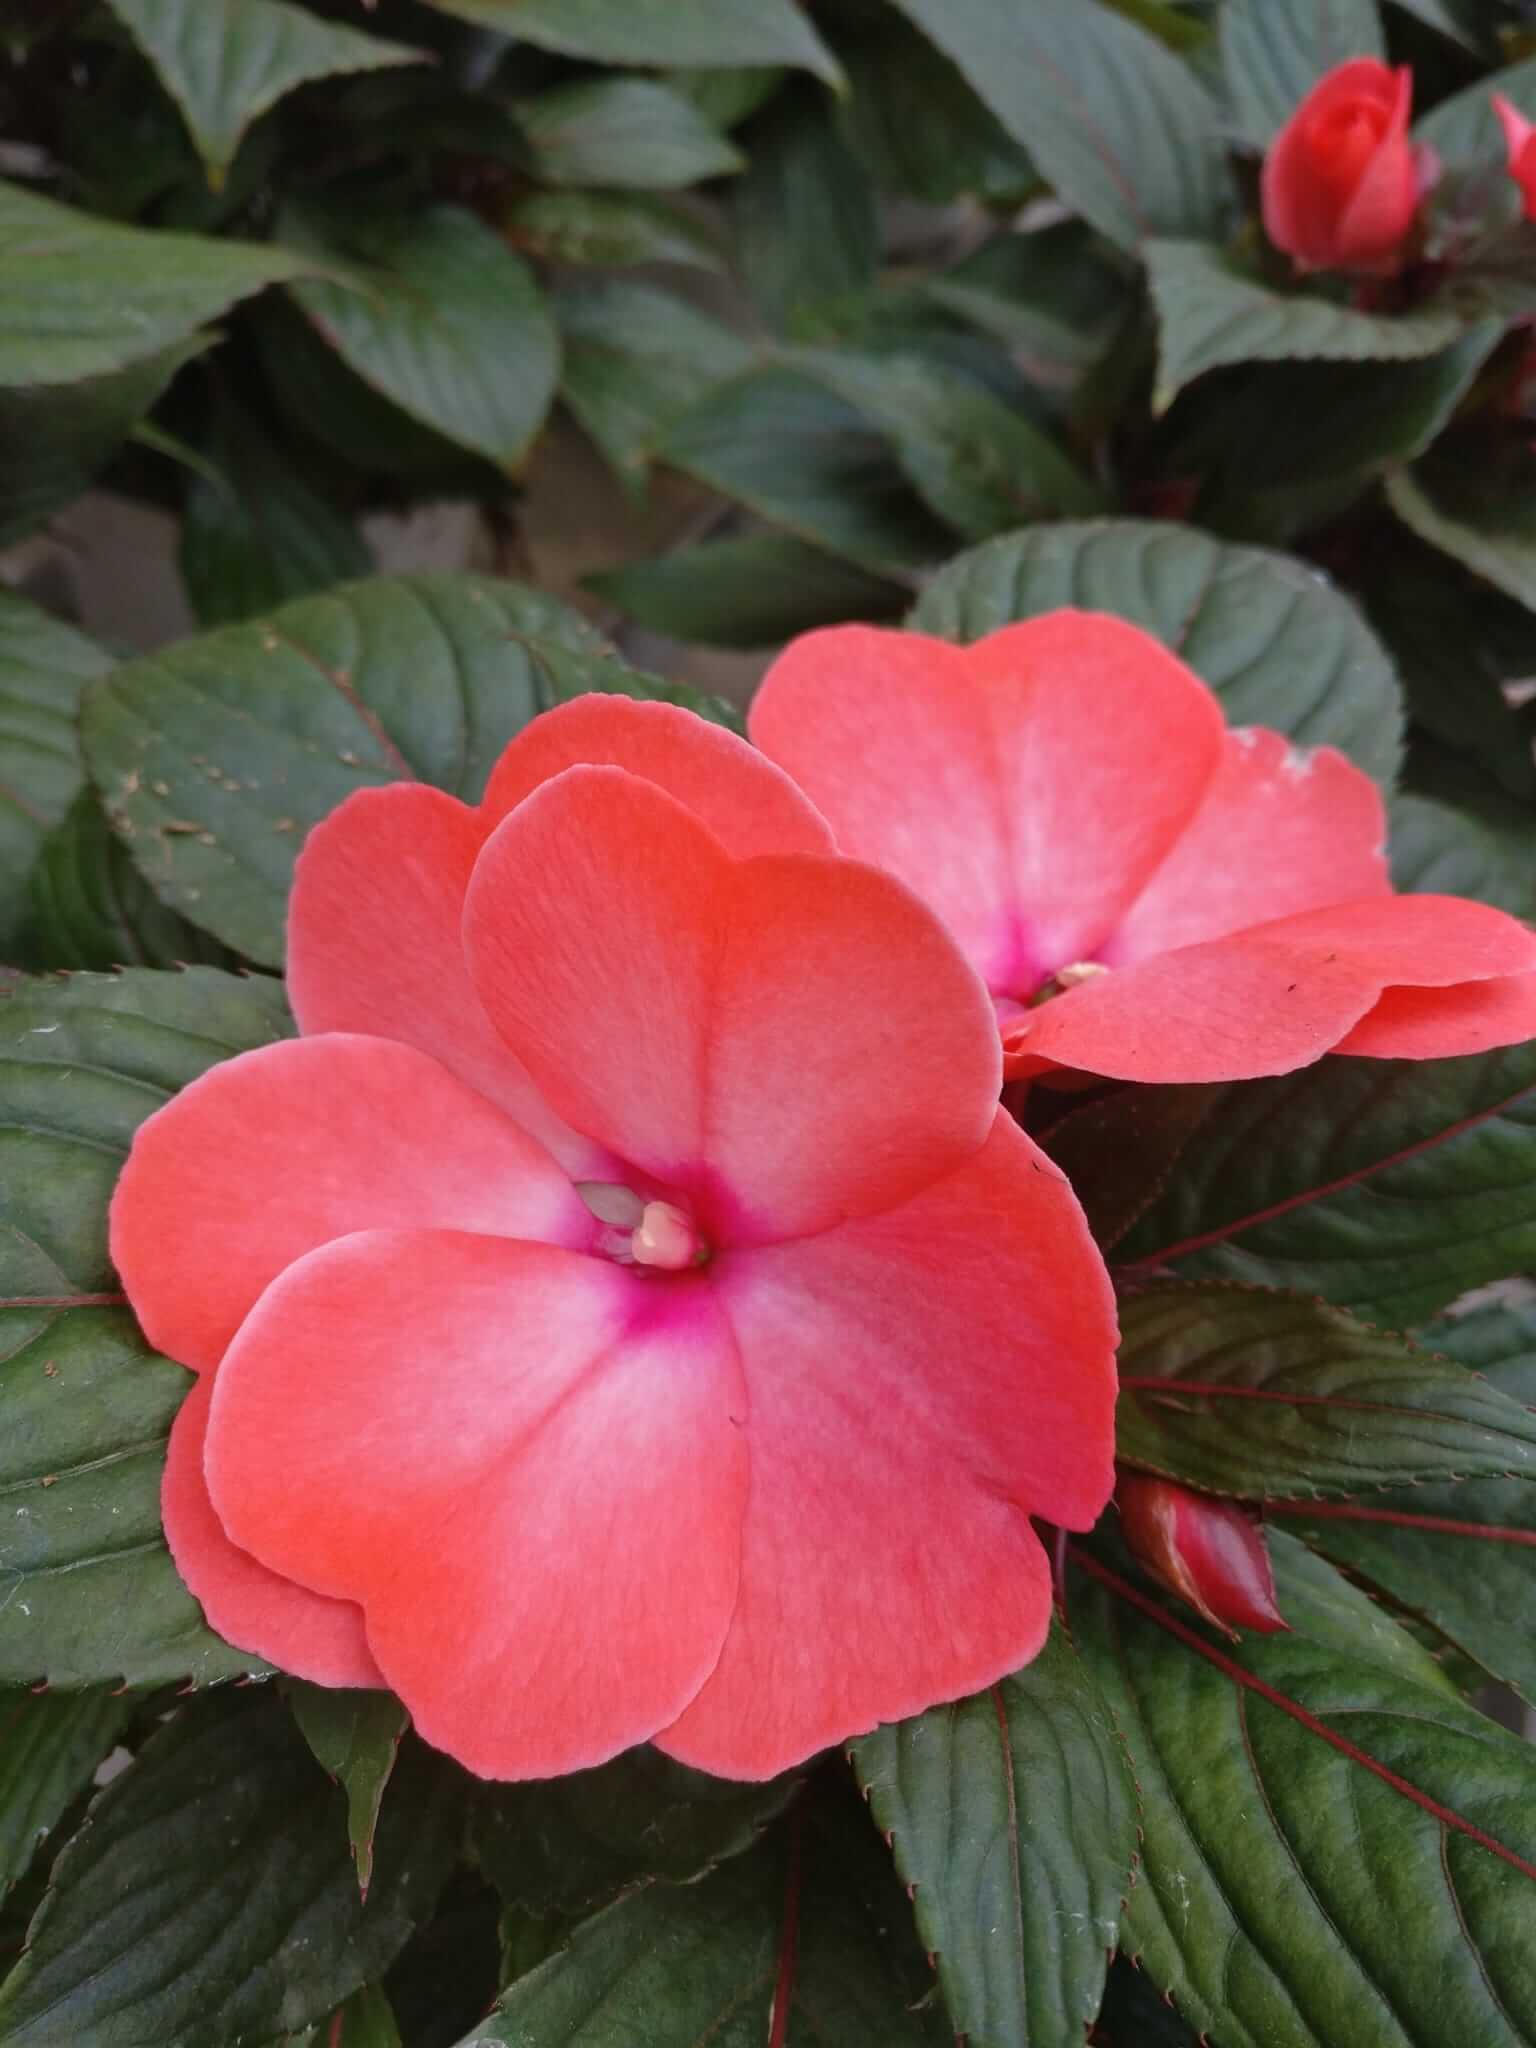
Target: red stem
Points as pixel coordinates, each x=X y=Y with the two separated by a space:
x=789 y=1944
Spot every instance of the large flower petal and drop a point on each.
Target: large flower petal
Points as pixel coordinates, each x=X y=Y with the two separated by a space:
x=1276 y=997
x=1281 y=830
x=267 y=1156
x=786 y=1041
x=528 y=1467
x=920 y=1383
x=1026 y=786
x=1438 y=1023
x=306 y=1633
x=373 y=946
x=750 y=805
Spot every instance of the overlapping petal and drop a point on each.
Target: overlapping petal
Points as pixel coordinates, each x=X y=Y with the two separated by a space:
x=1010 y=783
x=528 y=1466
x=729 y=1027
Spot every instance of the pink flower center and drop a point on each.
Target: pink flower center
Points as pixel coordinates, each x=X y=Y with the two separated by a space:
x=659 y=1234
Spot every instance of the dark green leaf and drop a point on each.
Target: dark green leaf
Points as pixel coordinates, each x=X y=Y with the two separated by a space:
x=1055 y=297
x=224 y=62
x=624 y=132
x=215 y=757
x=1116 y=123
x=92 y=908
x=563 y=1846
x=211 y=1897
x=1474 y=497
x=822 y=1926
x=1387 y=1186
x=54 y=438
x=1211 y=311
x=1118 y=1149
x=1471 y=841
x=728 y=97
x=44 y=665
x=1306 y=1799
x=920 y=127
x=88 y=1593
x=802 y=457
x=758 y=590
x=50 y=1744
x=687 y=33
x=355 y=1738
x=611 y=230
x=1274 y=51
x=979 y=463
x=1012 y=1819
x=1274 y=1396
x=83 y=296
x=1135 y=2014
x=1472 y=22
x=1270 y=635
x=443 y=319
x=1465 y=127
x=634 y=360
x=1497 y=1338
x=807 y=227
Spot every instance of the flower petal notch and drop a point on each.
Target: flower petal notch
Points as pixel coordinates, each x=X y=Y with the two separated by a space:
x=725 y=1428
x=1227 y=916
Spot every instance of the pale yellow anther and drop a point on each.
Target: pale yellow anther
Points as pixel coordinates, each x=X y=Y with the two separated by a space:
x=665 y=1238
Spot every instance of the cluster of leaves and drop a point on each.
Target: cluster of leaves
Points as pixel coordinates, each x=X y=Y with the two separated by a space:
x=405 y=225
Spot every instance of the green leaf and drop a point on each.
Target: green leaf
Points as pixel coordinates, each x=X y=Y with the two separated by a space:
x=54 y=438
x=225 y=62
x=91 y=907
x=1279 y=645
x=1474 y=497
x=634 y=359
x=1118 y=1149
x=923 y=131
x=979 y=463
x=211 y=1897
x=1274 y=51
x=611 y=230
x=365 y=2021
x=728 y=97
x=254 y=532
x=564 y=1846
x=1465 y=128
x=1116 y=122
x=1473 y=842
x=801 y=456
x=88 y=1593
x=703 y=34
x=1055 y=296
x=215 y=757
x=1387 y=1186
x=1211 y=311
x=625 y=132
x=820 y=1925
x=1471 y=22
x=83 y=296
x=442 y=318
x=1495 y=1338
x=805 y=214
x=355 y=1737
x=1277 y=1396
x=757 y=590
x=50 y=1744
x=44 y=665
x=1012 y=1819
x=1334 y=1853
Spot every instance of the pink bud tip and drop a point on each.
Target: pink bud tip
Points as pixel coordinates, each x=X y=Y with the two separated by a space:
x=1210 y=1552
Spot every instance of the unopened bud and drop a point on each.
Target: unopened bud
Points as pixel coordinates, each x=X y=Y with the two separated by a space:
x=1210 y=1552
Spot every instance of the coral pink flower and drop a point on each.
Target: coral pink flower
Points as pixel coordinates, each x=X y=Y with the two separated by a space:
x=1146 y=894
x=1520 y=140
x=1341 y=181
x=733 y=1446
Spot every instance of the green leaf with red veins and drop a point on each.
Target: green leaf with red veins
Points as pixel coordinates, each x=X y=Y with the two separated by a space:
x=1273 y=1396
x=1012 y=1820
x=88 y=1593
x=1389 y=1187
x=1273 y=638
x=1336 y=1852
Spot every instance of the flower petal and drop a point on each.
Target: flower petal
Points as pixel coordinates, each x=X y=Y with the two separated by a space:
x=283 y=1623
x=920 y=1383
x=1438 y=1023
x=1026 y=786
x=269 y=1155
x=1273 y=998
x=374 y=946
x=526 y=1465
x=1280 y=831
x=786 y=1041
x=750 y=805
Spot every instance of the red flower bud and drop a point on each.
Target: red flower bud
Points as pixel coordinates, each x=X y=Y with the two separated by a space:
x=1210 y=1552
x=1341 y=182
x=1520 y=140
